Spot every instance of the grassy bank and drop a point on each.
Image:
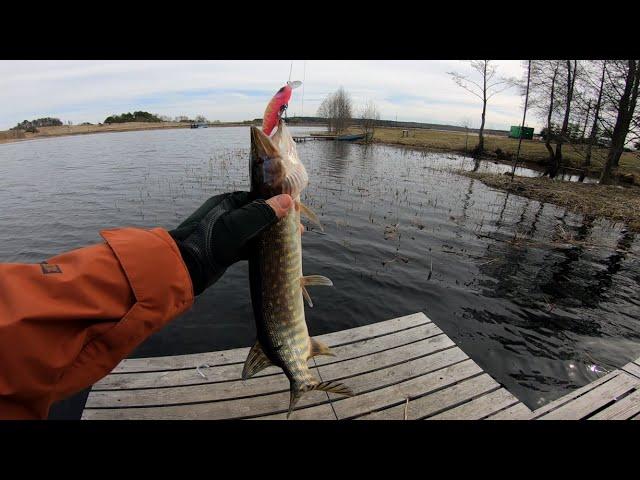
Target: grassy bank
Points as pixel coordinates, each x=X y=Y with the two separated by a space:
x=618 y=204
x=532 y=151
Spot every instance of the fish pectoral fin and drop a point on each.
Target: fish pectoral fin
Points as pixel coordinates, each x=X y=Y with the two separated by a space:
x=319 y=348
x=256 y=361
x=314 y=280
x=334 y=387
x=306 y=295
x=310 y=214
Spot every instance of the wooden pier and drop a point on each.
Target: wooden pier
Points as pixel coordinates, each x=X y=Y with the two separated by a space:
x=404 y=368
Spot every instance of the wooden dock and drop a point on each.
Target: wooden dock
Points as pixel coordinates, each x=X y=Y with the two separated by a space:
x=400 y=368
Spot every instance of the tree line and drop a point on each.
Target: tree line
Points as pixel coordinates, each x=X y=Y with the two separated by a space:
x=32 y=125
x=581 y=102
x=138 y=116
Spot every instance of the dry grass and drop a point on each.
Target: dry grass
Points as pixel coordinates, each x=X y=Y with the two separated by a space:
x=619 y=204
x=532 y=151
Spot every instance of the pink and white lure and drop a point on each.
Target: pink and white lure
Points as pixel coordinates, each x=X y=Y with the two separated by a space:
x=277 y=106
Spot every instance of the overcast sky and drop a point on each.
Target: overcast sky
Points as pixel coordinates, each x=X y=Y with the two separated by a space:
x=89 y=91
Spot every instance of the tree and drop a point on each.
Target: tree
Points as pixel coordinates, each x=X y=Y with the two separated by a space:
x=543 y=97
x=369 y=116
x=594 y=128
x=524 y=117
x=622 y=95
x=336 y=108
x=201 y=119
x=488 y=86
x=570 y=71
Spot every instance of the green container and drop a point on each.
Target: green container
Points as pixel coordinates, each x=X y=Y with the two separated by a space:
x=517 y=132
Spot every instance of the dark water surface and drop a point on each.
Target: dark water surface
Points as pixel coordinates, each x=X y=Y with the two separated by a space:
x=544 y=300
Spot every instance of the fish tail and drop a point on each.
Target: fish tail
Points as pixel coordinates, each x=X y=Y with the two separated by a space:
x=299 y=388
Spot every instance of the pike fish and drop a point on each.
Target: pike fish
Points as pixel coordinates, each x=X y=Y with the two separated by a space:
x=275 y=270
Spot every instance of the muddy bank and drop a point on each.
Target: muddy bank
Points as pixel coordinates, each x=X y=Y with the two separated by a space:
x=616 y=203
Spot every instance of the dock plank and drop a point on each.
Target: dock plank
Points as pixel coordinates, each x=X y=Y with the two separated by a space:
x=518 y=412
x=594 y=399
x=632 y=368
x=238 y=355
x=167 y=378
x=623 y=409
x=419 y=407
x=263 y=385
x=384 y=363
x=397 y=393
x=479 y=408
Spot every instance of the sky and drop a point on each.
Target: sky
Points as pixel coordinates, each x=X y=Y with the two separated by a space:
x=90 y=91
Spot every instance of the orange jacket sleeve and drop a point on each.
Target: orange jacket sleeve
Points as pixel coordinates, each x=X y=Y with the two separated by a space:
x=66 y=323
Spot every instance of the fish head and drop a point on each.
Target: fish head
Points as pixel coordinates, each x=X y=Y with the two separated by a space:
x=274 y=165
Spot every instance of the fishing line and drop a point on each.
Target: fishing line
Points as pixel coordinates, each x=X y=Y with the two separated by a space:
x=304 y=75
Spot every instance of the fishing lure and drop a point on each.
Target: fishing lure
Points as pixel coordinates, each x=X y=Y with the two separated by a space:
x=277 y=106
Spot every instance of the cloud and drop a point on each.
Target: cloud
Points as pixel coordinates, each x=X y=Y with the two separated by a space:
x=238 y=90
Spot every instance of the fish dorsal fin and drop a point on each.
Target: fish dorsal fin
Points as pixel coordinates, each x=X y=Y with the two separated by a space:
x=310 y=214
x=256 y=361
x=319 y=348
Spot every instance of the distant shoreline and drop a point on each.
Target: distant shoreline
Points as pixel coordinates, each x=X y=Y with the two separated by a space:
x=10 y=136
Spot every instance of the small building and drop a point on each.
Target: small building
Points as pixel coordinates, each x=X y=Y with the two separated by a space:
x=518 y=132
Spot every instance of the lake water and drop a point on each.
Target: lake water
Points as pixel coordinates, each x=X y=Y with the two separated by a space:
x=542 y=299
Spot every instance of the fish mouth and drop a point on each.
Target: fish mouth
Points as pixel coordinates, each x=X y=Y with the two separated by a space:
x=261 y=145
x=265 y=168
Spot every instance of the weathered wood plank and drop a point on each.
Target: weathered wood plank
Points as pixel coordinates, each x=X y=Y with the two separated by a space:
x=518 y=412
x=319 y=412
x=622 y=409
x=632 y=369
x=480 y=407
x=262 y=385
x=238 y=355
x=594 y=399
x=397 y=393
x=221 y=373
x=420 y=407
x=226 y=409
x=570 y=396
x=372 y=345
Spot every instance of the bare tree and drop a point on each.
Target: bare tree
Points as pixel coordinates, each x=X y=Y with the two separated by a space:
x=485 y=88
x=543 y=96
x=622 y=95
x=337 y=109
x=594 y=128
x=201 y=119
x=569 y=75
x=524 y=117
x=466 y=123
x=369 y=116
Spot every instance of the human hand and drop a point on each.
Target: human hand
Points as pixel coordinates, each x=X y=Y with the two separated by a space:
x=215 y=236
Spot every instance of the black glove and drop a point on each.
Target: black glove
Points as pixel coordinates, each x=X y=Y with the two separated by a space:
x=215 y=236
